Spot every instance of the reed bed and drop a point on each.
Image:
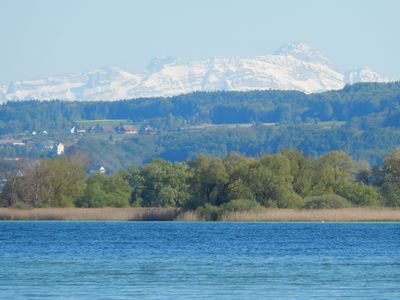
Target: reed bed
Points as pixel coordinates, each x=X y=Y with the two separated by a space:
x=190 y=216
x=317 y=215
x=175 y=214
x=126 y=214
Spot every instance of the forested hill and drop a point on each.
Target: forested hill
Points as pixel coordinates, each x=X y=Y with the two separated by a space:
x=372 y=102
x=362 y=119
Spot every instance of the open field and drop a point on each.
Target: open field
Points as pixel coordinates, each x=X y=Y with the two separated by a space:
x=173 y=214
x=102 y=121
x=106 y=122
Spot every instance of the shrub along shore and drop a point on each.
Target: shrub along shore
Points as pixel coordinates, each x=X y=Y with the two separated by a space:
x=211 y=188
x=173 y=214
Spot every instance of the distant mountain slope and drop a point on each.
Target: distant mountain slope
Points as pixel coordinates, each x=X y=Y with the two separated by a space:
x=292 y=67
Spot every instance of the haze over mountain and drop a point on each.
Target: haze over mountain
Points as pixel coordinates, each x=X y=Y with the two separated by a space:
x=293 y=67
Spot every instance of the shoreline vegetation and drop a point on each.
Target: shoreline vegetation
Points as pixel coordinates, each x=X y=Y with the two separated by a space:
x=175 y=214
x=207 y=188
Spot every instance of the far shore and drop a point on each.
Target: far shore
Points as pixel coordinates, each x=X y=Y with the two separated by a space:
x=175 y=214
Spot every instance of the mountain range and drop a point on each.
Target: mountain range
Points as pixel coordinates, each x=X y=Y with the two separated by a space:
x=294 y=66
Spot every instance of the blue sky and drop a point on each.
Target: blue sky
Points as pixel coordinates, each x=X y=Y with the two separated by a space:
x=47 y=37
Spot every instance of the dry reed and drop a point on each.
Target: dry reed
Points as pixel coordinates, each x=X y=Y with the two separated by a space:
x=170 y=214
x=328 y=215
x=189 y=216
x=131 y=213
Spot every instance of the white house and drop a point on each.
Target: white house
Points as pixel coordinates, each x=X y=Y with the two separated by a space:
x=60 y=149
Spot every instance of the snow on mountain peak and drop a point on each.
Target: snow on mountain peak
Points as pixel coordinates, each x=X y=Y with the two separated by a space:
x=363 y=75
x=302 y=52
x=159 y=62
x=3 y=91
x=294 y=66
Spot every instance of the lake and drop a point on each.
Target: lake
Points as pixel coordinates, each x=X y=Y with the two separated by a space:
x=199 y=260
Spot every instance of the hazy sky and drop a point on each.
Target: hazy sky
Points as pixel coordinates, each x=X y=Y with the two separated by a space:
x=48 y=37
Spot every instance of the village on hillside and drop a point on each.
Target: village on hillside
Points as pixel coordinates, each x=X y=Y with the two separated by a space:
x=46 y=143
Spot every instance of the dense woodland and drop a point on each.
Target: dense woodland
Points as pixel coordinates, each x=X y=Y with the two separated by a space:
x=209 y=184
x=369 y=145
x=362 y=120
x=374 y=103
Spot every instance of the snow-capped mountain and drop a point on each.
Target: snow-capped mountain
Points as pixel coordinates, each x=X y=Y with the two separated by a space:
x=292 y=67
x=362 y=75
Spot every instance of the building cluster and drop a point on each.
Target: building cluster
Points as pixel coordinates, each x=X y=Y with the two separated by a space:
x=42 y=143
x=48 y=145
x=57 y=147
x=120 y=129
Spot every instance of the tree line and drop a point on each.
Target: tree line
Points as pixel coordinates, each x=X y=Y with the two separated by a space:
x=288 y=179
x=372 y=102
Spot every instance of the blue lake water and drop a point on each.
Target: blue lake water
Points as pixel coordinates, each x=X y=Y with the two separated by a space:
x=173 y=260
